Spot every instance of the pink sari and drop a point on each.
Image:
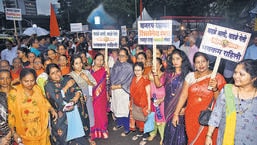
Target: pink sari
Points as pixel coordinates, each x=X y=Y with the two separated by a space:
x=99 y=130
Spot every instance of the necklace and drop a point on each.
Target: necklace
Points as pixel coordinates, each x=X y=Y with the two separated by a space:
x=242 y=110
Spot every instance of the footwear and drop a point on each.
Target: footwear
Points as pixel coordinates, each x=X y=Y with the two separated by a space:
x=151 y=137
x=143 y=141
x=137 y=136
x=115 y=128
x=125 y=133
x=105 y=135
x=91 y=142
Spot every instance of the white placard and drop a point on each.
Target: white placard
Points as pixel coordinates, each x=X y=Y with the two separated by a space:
x=13 y=14
x=123 y=31
x=105 y=38
x=224 y=42
x=158 y=30
x=75 y=27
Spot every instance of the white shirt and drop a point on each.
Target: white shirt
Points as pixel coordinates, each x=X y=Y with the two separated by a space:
x=9 y=55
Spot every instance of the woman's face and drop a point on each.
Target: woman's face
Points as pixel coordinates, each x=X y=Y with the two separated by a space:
x=241 y=77
x=31 y=57
x=122 y=56
x=28 y=81
x=37 y=64
x=177 y=60
x=62 y=61
x=77 y=65
x=55 y=74
x=5 y=79
x=201 y=64
x=51 y=54
x=20 y=54
x=61 y=50
x=138 y=71
x=84 y=58
x=99 y=61
x=17 y=63
x=141 y=58
x=148 y=53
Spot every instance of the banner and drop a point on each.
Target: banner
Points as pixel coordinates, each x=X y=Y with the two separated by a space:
x=105 y=38
x=13 y=14
x=224 y=42
x=75 y=27
x=158 y=30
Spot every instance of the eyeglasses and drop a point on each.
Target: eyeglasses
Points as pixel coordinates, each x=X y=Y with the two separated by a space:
x=122 y=55
x=137 y=70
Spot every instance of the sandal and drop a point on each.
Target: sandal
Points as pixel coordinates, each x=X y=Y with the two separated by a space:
x=125 y=133
x=137 y=136
x=91 y=142
x=105 y=135
x=115 y=128
x=143 y=142
x=151 y=137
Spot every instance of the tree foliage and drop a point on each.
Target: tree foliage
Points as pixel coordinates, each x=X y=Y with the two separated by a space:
x=123 y=11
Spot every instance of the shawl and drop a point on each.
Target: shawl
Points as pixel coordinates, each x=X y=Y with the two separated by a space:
x=229 y=133
x=122 y=74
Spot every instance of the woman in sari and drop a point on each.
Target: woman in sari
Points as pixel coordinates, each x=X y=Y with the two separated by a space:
x=99 y=130
x=178 y=67
x=5 y=133
x=235 y=111
x=72 y=125
x=5 y=87
x=28 y=111
x=140 y=95
x=63 y=64
x=85 y=80
x=195 y=91
x=38 y=66
x=15 y=71
x=121 y=77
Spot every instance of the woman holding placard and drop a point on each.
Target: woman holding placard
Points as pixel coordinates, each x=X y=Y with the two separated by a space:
x=235 y=111
x=195 y=92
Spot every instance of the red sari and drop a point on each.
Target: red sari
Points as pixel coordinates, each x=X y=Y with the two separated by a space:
x=199 y=97
x=139 y=98
x=99 y=130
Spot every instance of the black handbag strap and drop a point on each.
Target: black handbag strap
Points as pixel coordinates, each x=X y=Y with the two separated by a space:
x=211 y=104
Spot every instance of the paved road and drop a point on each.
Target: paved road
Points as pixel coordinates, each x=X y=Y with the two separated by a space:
x=116 y=139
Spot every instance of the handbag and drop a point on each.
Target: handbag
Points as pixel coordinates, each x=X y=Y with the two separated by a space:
x=205 y=115
x=137 y=113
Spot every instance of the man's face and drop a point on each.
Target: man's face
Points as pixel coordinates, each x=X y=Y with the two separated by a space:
x=8 y=45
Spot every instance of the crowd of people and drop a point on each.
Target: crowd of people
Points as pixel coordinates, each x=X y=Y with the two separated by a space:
x=60 y=92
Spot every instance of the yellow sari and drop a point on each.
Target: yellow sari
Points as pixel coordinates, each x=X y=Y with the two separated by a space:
x=29 y=115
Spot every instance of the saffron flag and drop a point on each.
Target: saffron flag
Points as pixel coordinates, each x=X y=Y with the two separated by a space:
x=54 y=28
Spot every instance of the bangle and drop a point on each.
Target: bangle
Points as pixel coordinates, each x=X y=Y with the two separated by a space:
x=207 y=135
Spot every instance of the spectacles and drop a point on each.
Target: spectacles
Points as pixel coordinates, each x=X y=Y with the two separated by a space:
x=122 y=55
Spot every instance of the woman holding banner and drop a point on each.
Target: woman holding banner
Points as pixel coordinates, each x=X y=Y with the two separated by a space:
x=235 y=111
x=197 y=95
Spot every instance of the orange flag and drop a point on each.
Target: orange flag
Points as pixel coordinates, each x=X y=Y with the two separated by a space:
x=54 y=28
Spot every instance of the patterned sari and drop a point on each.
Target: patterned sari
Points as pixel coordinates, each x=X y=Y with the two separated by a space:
x=60 y=127
x=29 y=115
x=100 y=104
x=199 y=97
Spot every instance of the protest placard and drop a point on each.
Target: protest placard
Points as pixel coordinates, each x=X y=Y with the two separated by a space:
x=75 y=27
x=159 y=31
x=105 y=38
x=13 y=14
x=224 y=42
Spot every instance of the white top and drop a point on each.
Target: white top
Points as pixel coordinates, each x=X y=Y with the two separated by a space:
x=9 y=55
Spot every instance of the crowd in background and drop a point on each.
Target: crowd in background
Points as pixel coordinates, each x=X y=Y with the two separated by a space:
x=60 y=92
